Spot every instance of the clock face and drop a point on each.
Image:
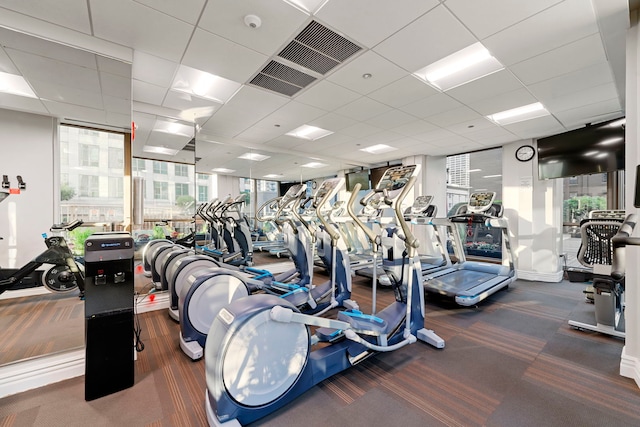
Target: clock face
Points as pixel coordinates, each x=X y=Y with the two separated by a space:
x=525 y=153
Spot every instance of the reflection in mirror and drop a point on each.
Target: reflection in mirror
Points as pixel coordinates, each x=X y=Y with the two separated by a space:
x=90 y=96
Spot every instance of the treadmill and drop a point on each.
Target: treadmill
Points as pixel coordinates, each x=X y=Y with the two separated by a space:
x=469 y=282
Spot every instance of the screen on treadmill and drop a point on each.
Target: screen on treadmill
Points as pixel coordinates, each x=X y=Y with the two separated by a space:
x=396 y=177
x=479 y=202
x=292 y=193
x=328 y=189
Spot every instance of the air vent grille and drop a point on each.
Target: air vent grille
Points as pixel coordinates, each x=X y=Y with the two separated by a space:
x=287 y=74
x=268 y=82
x=319 y=49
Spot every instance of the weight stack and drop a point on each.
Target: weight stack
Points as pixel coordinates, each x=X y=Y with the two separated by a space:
x=109 y=316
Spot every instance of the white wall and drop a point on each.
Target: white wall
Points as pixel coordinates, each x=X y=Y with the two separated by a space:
x=630 y=360
x=26 y=150
x=534 y=211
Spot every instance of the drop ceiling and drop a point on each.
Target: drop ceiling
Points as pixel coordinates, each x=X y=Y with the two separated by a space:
x=568 y=55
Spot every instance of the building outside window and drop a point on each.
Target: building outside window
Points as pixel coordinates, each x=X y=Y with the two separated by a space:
x=89 y=155
x=160 y=168
x=160 y=190
x=181 y=170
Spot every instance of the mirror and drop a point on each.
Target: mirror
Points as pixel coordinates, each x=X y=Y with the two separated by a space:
x=69 y=86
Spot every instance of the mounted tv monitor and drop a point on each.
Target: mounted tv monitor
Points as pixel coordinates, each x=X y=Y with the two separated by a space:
x=592 y=149
x=377 y=174
x=361 y=177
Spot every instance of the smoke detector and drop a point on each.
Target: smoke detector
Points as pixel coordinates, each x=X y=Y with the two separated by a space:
x=252 y=21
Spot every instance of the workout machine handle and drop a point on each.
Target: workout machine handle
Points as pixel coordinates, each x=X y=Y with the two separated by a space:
x=410 y=240
x=368 y=231
x=620 y=241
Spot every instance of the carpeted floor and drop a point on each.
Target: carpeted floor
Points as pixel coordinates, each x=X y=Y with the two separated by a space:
x=512 y=361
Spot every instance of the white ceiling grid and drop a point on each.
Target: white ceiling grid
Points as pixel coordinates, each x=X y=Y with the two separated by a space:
x=563 y=53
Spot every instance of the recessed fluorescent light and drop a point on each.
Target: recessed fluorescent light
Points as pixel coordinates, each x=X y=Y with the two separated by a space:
x=254 y=156
x=314 y=165
x=378 y=149
x=309 y=132
x=15 y=85
x=204 y=85
x=463 y=66
x=492 y=176
x=222 y=170
x=160 y=150
x=273 y=175
x=601 y=155
x=174 y=128
x=591 y=153
x=475 y=170
x=308 y=6
x=520 y=114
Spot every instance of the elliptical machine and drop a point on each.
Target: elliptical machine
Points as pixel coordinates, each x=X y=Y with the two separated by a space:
x=258 y=355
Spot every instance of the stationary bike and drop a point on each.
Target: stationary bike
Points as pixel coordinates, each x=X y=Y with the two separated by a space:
x=258 y=355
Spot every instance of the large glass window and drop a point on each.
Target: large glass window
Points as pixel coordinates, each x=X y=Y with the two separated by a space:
x=139 y=165
x=203 y=193
x=89 y=155
x=468 y=173
x=89 y=186
x=116 y=158
x=160 y=168
x=160 y=190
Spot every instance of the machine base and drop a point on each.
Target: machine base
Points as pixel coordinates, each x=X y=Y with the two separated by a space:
x=191 y=348
x=211 y=417
x=430 y=337
x=174 y=314
x=603 y=329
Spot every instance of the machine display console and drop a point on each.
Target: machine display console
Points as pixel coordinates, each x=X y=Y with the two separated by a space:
x=327 y=190
x=420 y=204
x=292 y=193
x=480 y=202
x=395 y=178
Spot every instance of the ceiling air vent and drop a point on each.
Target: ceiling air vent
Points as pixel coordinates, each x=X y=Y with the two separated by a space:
x=282 y=79
x=319 y=49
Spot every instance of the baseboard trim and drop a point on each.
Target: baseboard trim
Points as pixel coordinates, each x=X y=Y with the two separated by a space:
x=630 y=366
x=30 y=374
x=152 y=302
x=536 y=276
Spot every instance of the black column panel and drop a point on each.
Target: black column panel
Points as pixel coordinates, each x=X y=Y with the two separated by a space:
x=109 y=315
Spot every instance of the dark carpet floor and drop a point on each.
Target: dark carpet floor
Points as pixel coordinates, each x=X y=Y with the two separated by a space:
x=511 y=361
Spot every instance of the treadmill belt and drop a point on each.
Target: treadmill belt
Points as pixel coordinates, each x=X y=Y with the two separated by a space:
x=455 y=282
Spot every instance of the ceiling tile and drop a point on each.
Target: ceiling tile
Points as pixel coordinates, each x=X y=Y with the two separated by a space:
x=402 y=92
x=486 y=87
x=21 y=103
x=154 y=70
x=75 y=112
x=115 y=85
x=362 y=109
x=592 y=113
x=471 y=126
x=70 y=95
x=148 y=93
x=428 y=30
x=211 y=53
x=565 y=59
x=452 y=117
x=415 y=127
x=161 y=35
x=536 y=128
x=332 y=121
x=582 y=98
x=369 y=22
x=431 y=105
x=391 y=119
x=486 y=17
x=327 y=95
x=595 y=75
x=67 y=13
x=382 y=73
x=502 y=102
x=360 y=130
x=6 y=66
x=545 y=31
x=280 y=23
x=188 y=11
x=192 y=108
x=491 y=136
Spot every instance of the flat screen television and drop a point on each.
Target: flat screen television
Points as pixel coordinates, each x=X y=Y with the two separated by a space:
x=592 y=149
x=376 y=174
x=361 y=177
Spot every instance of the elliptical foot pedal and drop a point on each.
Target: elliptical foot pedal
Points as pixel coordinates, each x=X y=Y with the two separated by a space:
x=350 y=304
x=430 y=337
x=329 y=334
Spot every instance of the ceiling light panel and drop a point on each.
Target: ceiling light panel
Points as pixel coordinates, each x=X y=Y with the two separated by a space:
x=160 y=150
x=222 y=170
x=174 y=128
x=204 y=85
x=15 y=85
x=254 y=156
x=520 y=114
x=464 y=66
x=308 y=6
x=314 y=165
x=308 y=132
x=378 y=149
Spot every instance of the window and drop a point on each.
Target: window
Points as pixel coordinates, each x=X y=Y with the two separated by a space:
x=203 y=176
x=116 y=158
x=203 y=193
x=181 y=190
x=160 y=168
x=161 y=190
x=139 y=165
x=116 y=188
x=95 y=194
x=181 y=170
x=89 y=186
x=89 y=155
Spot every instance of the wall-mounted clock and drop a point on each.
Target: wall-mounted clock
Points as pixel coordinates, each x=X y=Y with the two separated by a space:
x=525 y=153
